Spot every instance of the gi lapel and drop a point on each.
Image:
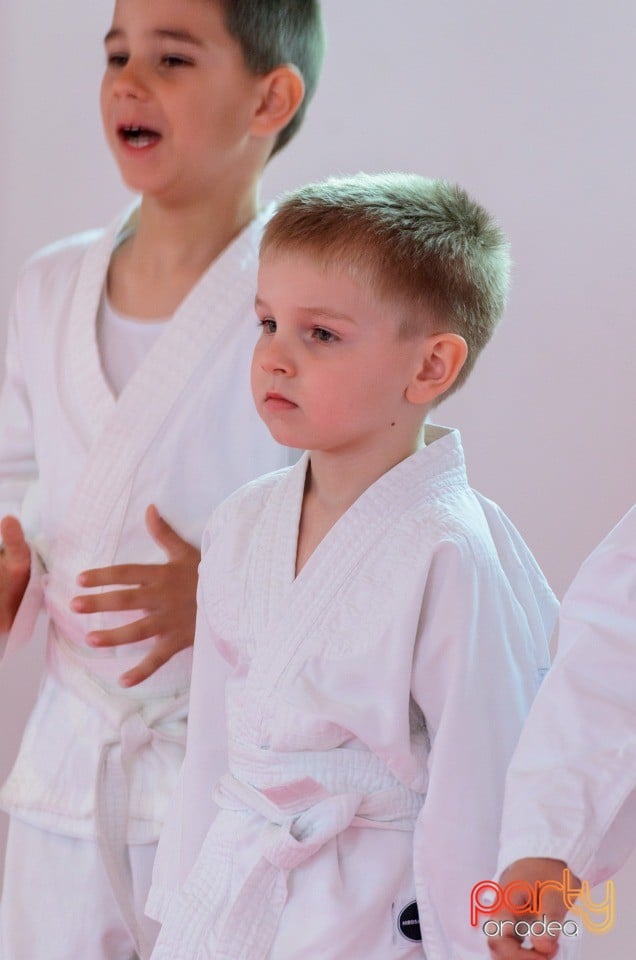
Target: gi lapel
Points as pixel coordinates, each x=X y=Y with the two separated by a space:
x=122 y=430
x=89 y=400
x=286 y=613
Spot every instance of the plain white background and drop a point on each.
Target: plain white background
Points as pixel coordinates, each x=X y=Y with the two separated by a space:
x=530 y=105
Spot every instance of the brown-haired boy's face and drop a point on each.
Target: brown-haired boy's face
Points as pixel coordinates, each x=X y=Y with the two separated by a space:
x=329 y=370
x=177 y=99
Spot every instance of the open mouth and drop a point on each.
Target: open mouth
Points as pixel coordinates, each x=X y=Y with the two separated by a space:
x=138 y=137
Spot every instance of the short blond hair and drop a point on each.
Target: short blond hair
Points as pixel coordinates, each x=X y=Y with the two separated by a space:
x=423 y=244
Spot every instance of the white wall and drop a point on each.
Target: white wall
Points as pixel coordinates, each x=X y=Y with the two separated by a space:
x=530 y=106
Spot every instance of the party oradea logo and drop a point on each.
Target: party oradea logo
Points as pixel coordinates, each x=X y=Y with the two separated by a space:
x=525 y=900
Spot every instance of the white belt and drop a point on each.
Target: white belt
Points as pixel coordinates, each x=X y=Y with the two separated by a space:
x=136 y=724
x=301 y=818
x=317 y=795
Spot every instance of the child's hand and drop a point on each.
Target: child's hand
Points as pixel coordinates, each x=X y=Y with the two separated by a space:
x=166 y=592
x=15 y=568
x=553 y=907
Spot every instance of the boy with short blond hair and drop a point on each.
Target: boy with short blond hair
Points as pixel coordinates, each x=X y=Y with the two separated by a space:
x=126 y=383
x=383 y=627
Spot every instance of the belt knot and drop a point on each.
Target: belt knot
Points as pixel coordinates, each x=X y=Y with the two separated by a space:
x=135 y=734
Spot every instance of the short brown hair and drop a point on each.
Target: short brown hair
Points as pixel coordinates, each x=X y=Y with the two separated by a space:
x=424 y=244
x=276 y=32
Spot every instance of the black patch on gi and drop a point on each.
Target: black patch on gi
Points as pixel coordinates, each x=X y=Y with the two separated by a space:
x=409 y=922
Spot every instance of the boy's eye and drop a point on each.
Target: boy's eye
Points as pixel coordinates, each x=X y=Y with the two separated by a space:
x=267 y=325
x=174 y=60
x=322 y=335
x=117 y=59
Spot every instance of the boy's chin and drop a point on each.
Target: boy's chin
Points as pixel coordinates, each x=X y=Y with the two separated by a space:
x=283 y=435
x=286 y=438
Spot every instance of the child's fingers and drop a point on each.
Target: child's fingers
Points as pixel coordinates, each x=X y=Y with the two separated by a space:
x=545 y=946
x=163 y=650
x=125 y=574
x=508 y=944
x=137 y=598
x=507 y=949
x=165 y=535
x=141 y=629
x=143 y=670
x=510 y=948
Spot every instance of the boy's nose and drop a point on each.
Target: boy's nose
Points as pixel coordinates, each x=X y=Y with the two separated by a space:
x=276 y=358
x=130 y=82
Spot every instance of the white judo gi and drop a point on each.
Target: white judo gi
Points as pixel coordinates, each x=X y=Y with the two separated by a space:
x=571 y=789
x=373 y=703
x=80 y=466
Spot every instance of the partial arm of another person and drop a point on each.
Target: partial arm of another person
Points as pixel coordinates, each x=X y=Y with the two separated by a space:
x=571 y=787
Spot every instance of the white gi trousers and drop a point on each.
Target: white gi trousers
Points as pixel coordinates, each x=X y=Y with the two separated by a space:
x=62 y=875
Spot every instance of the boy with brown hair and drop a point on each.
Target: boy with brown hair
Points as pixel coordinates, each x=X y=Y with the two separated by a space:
x=126 y=383
x=383 y=627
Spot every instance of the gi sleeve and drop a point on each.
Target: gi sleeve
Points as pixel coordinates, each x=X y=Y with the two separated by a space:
x=192 y=808
x=18 y=468
x=18 y=473
x=571 y=789
x=477 y=665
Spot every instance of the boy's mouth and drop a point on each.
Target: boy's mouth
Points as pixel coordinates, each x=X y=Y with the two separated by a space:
x=277 y=401
x=138 y=137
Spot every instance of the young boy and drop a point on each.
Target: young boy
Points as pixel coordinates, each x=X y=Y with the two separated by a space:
x=571 y=788
x=127 y=382
x=384 y=627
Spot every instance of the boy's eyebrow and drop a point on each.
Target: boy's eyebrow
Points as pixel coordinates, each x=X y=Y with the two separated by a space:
x=184 y=36
x=324 y=313
x=113 y=34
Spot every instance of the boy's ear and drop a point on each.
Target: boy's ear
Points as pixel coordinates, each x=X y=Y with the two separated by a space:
x=282 y=93
x=441 y=359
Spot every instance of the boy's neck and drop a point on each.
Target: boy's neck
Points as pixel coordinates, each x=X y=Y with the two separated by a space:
x=189 y=236
x=153 y=271
x=338 y=480
x=334 y=482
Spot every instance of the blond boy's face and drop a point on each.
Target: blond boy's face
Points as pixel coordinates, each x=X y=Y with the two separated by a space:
x=177 y=98
x=329 y=371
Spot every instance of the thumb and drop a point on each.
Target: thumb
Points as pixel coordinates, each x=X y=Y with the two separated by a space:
x=164 y=535
x=553 y=908
x=13 y=538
